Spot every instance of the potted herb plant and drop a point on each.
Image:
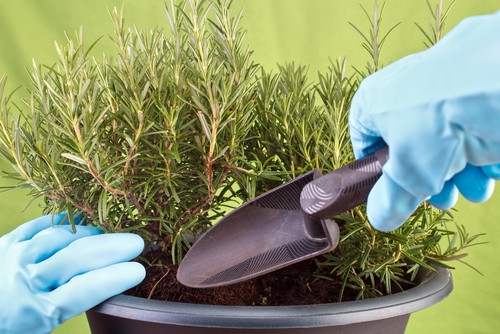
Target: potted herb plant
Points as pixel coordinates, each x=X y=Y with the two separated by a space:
x=173 y=131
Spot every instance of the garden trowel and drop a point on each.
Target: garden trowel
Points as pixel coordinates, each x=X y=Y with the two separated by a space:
x=283 y=226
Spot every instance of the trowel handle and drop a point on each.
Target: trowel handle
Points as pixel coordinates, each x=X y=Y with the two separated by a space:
x=344 y=188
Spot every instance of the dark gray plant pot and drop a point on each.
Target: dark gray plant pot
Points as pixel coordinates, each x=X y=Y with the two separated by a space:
x=384 y=315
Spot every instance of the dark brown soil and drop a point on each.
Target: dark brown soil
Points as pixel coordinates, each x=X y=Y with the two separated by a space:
x=294 y=285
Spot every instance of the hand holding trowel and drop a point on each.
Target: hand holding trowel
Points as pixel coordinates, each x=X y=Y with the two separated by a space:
x=280 y=227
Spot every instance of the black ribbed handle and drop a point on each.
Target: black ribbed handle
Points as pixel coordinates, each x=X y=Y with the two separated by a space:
x=344 y=188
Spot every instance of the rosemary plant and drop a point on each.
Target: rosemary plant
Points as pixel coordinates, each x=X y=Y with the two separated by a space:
x=175 y=128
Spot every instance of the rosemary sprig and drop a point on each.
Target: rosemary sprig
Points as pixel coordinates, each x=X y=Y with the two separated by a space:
x=374 y=40
x=436 y=29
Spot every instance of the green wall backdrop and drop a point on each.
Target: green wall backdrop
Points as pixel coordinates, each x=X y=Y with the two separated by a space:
x=305 y=31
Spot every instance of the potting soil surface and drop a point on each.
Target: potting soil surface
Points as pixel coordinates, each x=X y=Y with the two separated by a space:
x=293 y=285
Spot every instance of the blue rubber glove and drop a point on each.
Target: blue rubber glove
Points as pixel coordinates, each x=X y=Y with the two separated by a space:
x=439 y=113
x=49 y=274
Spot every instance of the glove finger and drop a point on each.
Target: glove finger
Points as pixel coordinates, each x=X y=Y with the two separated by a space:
x=27 y=230
x=447 y=198
x=389 y=205
x=364 y=143
x=52 y=239
x=473 y=184
x=492 y=171
x=87 y=290
x=84 y=255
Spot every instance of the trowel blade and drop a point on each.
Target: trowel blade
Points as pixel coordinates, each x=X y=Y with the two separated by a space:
x=265 y=234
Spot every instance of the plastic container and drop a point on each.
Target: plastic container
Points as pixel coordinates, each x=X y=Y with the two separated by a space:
x=384 y=315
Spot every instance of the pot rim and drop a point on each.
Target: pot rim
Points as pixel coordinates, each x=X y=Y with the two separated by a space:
x=434 y=287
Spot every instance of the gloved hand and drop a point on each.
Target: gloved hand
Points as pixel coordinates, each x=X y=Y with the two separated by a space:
x=49 y=274
x=439 y=113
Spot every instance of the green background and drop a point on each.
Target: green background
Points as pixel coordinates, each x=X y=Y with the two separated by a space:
x=307 y=32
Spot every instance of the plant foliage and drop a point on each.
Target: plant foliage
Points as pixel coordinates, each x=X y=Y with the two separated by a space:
x=177 y=127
